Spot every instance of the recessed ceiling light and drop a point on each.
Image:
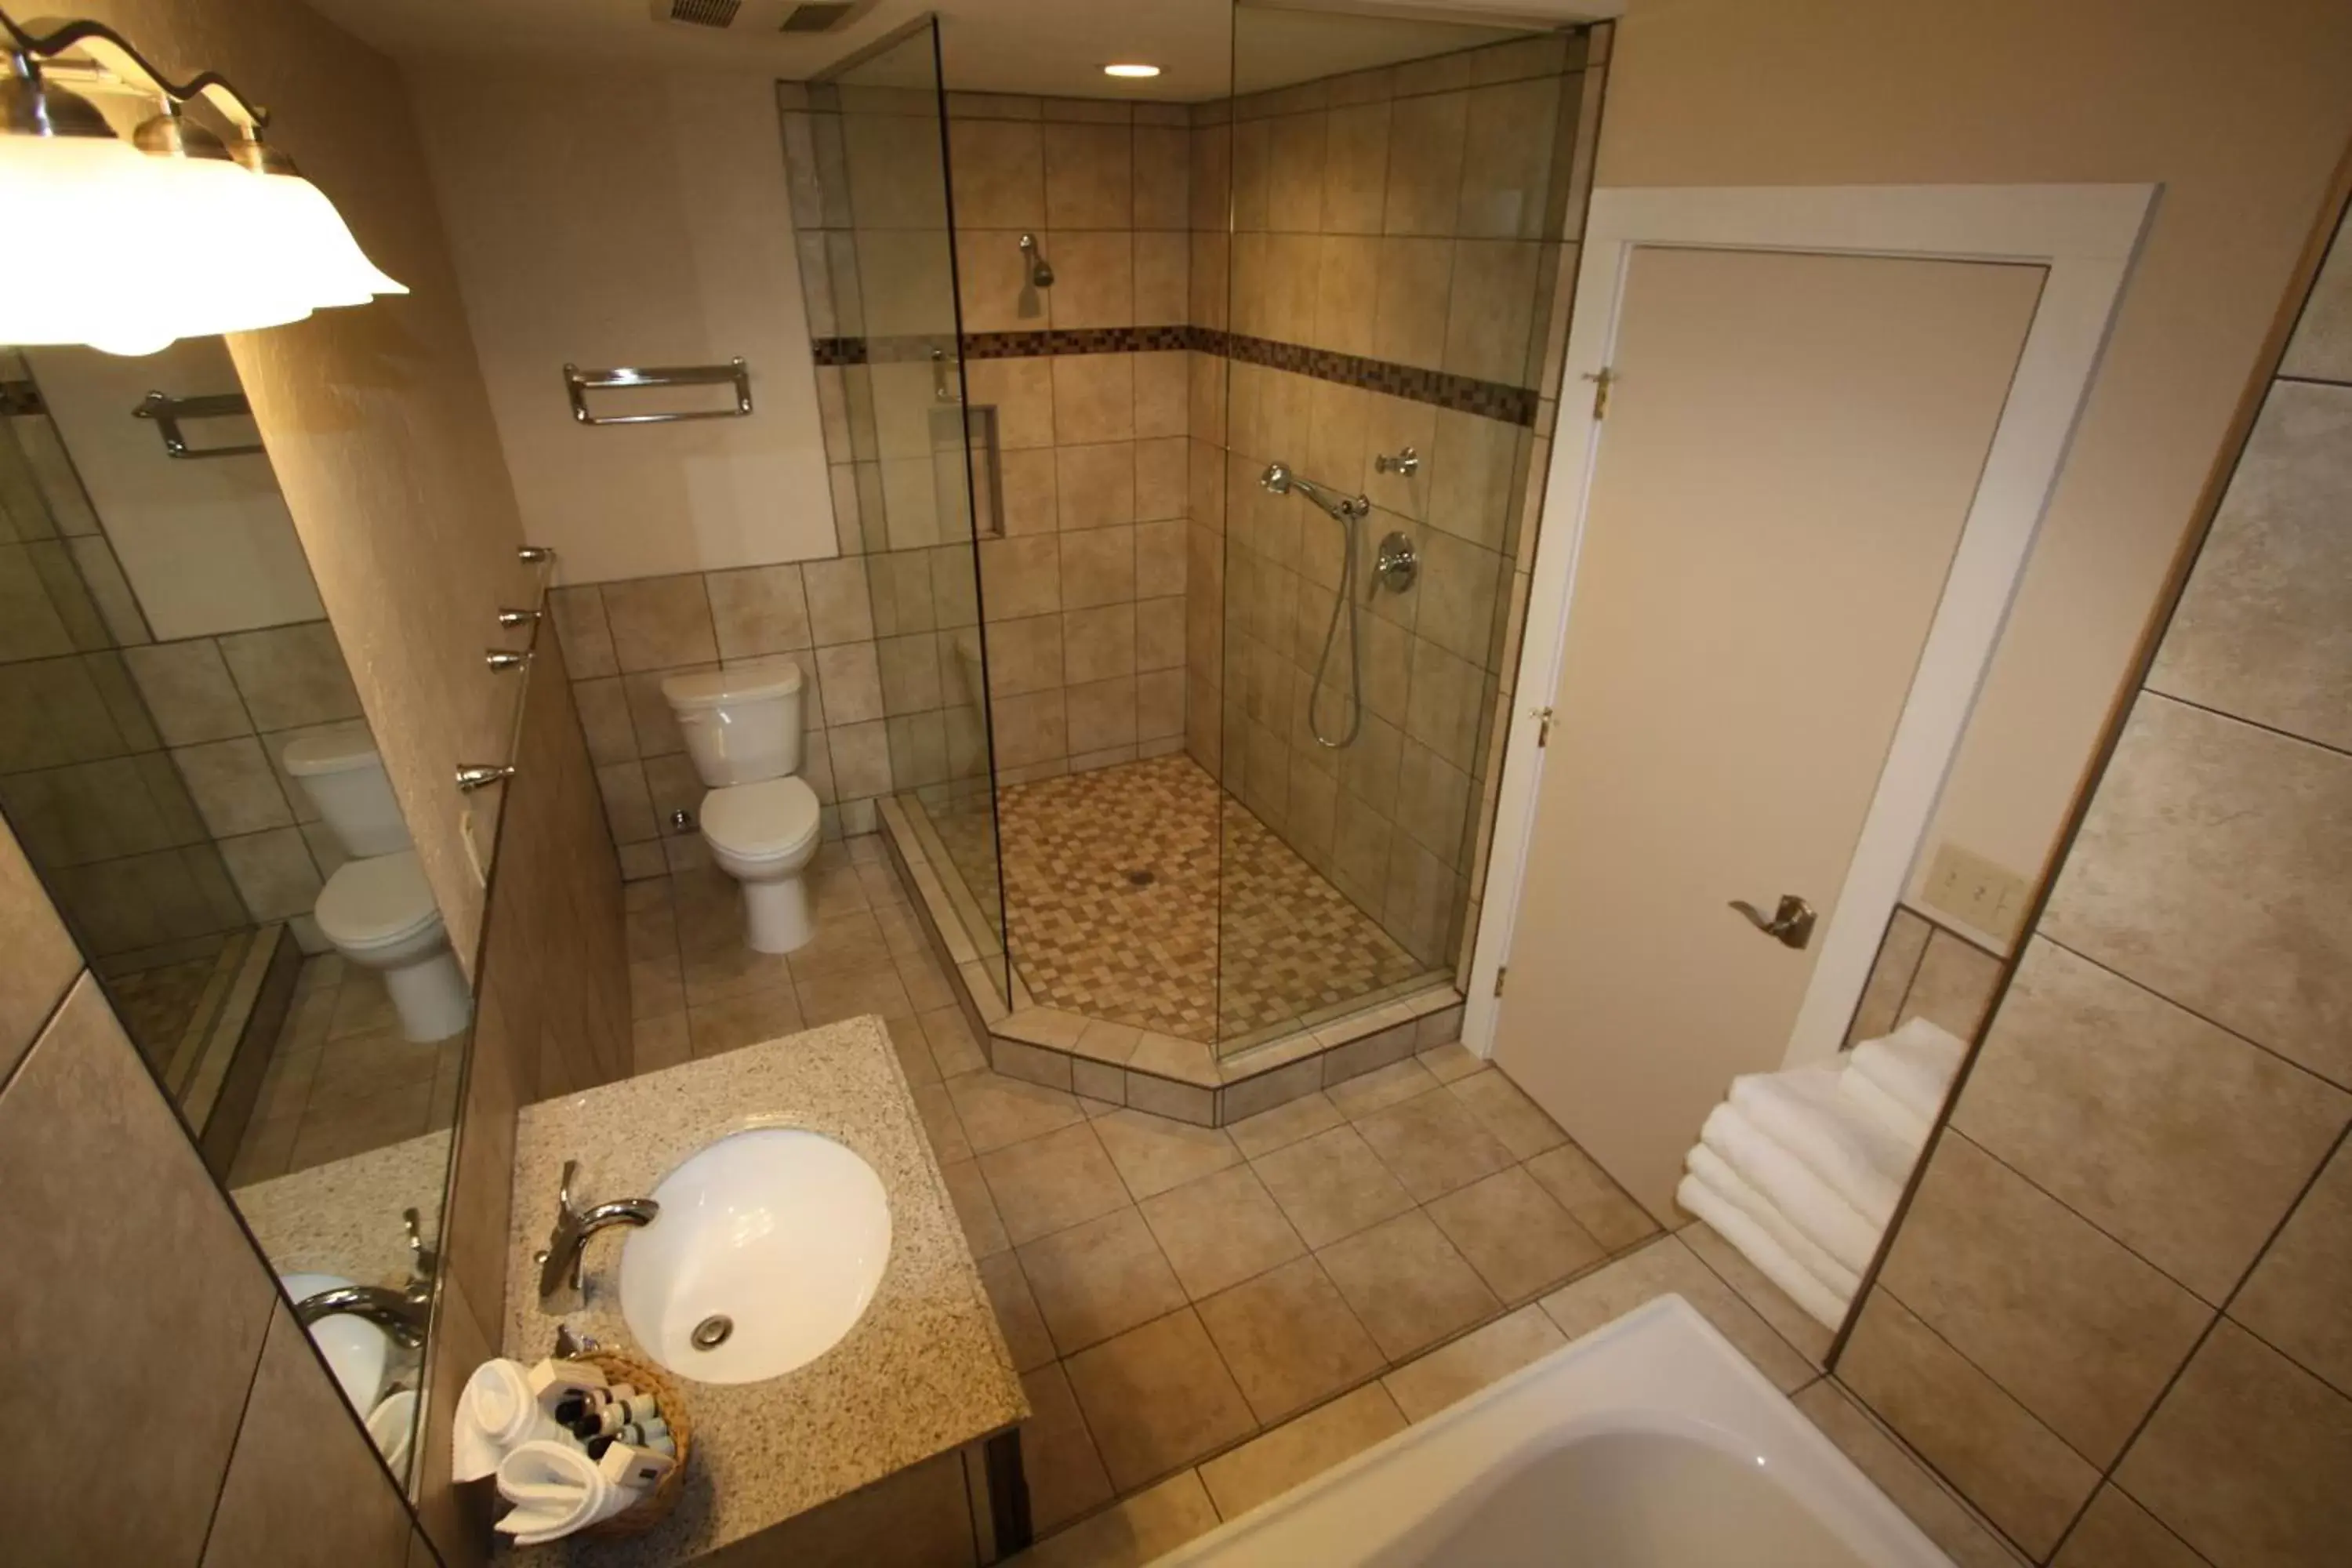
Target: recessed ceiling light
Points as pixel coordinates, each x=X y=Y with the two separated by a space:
x=1131 y=69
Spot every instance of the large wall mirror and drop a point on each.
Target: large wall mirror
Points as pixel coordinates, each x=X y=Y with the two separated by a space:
x=183 y=758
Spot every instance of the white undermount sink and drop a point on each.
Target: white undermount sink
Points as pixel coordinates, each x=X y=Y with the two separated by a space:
x=768 y=1248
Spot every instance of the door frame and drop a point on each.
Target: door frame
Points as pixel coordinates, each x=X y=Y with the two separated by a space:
x=2086 y=236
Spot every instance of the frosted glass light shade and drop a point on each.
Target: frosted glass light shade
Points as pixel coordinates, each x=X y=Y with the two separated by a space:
x=127 y=251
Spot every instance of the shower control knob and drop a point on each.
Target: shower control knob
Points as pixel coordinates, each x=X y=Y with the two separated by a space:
x=1407 y=462
x=1397 y=565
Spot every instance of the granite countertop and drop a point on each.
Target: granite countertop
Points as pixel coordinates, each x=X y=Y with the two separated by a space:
x=344 y=1218
x=925 y=1369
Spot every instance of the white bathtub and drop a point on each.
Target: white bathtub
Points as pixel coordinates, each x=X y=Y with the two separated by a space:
x=1650 y=1443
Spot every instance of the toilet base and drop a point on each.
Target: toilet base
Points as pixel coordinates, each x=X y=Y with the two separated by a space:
x=776 y=916
x=430 y=997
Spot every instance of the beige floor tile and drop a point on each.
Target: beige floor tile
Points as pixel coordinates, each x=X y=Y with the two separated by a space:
x=1145 y=1527
x=1158 y=1398
x=1600 y=1205
x=1908 y=1484
x=982 y=1227
x=743 y=1018
x=1515 y=1235
x=1516 y=1122
x=1016 y=1312
x=1407 y=1284
x=2114 y=1533
x=1099 y=1280
x=997 y=1110
x=1066 y=1475
x=852 y=942
x=953 y=1046
x=1433 y=1144
x=1289 y=1338
x=1300 y=1449
x=915 y=1057
x=1284 y=1124
x=655 y=991
x=1454 y=1372
x=1791 y=1322
x=940 y=1124
x=1153 y=1153
x=1667 y=1267
x=854 y=994
x=1451 y=1060
x=1358 y=1097
x=1331 y=1185
x=728 y=968
x=658 y=1042
x=1221 y=1230
x=1053 y=1181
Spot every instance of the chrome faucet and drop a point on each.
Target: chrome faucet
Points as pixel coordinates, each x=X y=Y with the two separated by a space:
x=402 y=1314
x=559 y=1264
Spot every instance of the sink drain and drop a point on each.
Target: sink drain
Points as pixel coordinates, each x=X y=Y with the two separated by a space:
x=712 y=1332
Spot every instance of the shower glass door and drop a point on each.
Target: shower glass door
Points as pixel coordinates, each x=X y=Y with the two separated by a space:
x=1395 y=210
x=913 y=462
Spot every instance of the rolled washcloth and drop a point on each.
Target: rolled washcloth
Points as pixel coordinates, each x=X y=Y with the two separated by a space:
x=1733 y=1222
x=1707 y=1167
x=1861 y=1158
x=1786 y=1182
x=496 y=1412
x=1914 y=1066
x=556 y=1490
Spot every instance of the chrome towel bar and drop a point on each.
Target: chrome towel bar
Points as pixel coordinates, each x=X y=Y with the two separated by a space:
x=578 y=383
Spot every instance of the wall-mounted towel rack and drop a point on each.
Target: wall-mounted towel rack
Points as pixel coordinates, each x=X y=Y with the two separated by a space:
x=578 y=383
x=167 y=411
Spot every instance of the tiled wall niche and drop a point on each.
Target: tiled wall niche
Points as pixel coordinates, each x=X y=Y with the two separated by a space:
x=142 y=775
x=2113 y=1313
x=1391 y=254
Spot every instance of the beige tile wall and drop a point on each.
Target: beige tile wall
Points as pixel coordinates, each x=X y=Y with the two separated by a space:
x=186 y=1385
x=2114 y=1313
x=1423 y=216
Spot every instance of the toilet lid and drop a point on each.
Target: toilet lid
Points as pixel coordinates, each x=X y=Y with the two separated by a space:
x=760 y=821
x=382 y=898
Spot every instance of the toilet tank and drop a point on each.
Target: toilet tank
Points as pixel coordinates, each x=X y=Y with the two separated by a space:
x=742 y=726
x=344 y=777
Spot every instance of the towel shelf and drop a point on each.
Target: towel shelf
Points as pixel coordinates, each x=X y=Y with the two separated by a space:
x=167 y=411
x=578 y=383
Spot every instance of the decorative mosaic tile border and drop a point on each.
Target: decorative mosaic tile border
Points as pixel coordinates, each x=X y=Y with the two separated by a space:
x=1461 y=394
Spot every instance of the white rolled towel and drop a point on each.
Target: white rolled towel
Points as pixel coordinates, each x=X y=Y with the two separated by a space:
x=1820 y=1302
x=495 y=1414
x=1915 y=1065
x=1860 y=1157
x=556 y=1490
x=1789 y=1185
x=1865 y=1096
x=1708 y=1168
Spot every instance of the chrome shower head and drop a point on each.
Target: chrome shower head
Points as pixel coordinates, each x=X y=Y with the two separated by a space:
x=1041 y=276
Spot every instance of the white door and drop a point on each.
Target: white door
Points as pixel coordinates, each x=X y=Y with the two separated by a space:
x=1791 y=446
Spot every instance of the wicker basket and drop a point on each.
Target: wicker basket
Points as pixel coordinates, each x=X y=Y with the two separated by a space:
x=642 y=1516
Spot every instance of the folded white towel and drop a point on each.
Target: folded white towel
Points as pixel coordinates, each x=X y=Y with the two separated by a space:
x=1811 y=1204
x=1862 y=1159
x=556 y=1490
x=1865 y=1095
x=495 y=1414
x=1707 y=1167
x=1915 y=1064
x=1818 y=1300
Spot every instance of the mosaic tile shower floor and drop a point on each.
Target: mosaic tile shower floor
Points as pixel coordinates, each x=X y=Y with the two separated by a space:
x=1127 y=903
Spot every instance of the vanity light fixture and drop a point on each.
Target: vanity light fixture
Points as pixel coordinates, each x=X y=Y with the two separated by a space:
x=255 y=245
x=1135 y=70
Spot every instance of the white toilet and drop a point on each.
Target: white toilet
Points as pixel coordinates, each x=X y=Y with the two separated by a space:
x=377 y=908
x=742 y=729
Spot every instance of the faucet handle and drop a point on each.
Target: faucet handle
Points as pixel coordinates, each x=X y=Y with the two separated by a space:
x=423 y=1261
x=564 y=1189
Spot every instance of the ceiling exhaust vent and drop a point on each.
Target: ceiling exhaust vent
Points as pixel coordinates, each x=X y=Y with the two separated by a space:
x=819 y=17
x=704 y=13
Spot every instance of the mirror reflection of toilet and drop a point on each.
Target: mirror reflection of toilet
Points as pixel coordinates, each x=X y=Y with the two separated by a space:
x=377 y=909
x=742 y=728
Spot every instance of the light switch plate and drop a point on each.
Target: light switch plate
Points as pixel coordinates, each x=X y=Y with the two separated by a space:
x=1977 y=893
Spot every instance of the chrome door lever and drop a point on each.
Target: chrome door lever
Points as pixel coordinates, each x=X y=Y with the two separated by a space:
x=1792 y=924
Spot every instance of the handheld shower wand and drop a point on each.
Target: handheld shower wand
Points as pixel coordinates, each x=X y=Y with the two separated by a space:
x=1346 y=510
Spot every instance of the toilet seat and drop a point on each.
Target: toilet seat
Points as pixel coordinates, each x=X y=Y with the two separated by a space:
x=774 y=819
x=379 y=903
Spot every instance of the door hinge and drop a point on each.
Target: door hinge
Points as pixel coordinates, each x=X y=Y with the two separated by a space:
x=1500 y=972
x=1601 y=380
x=1543 y=727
